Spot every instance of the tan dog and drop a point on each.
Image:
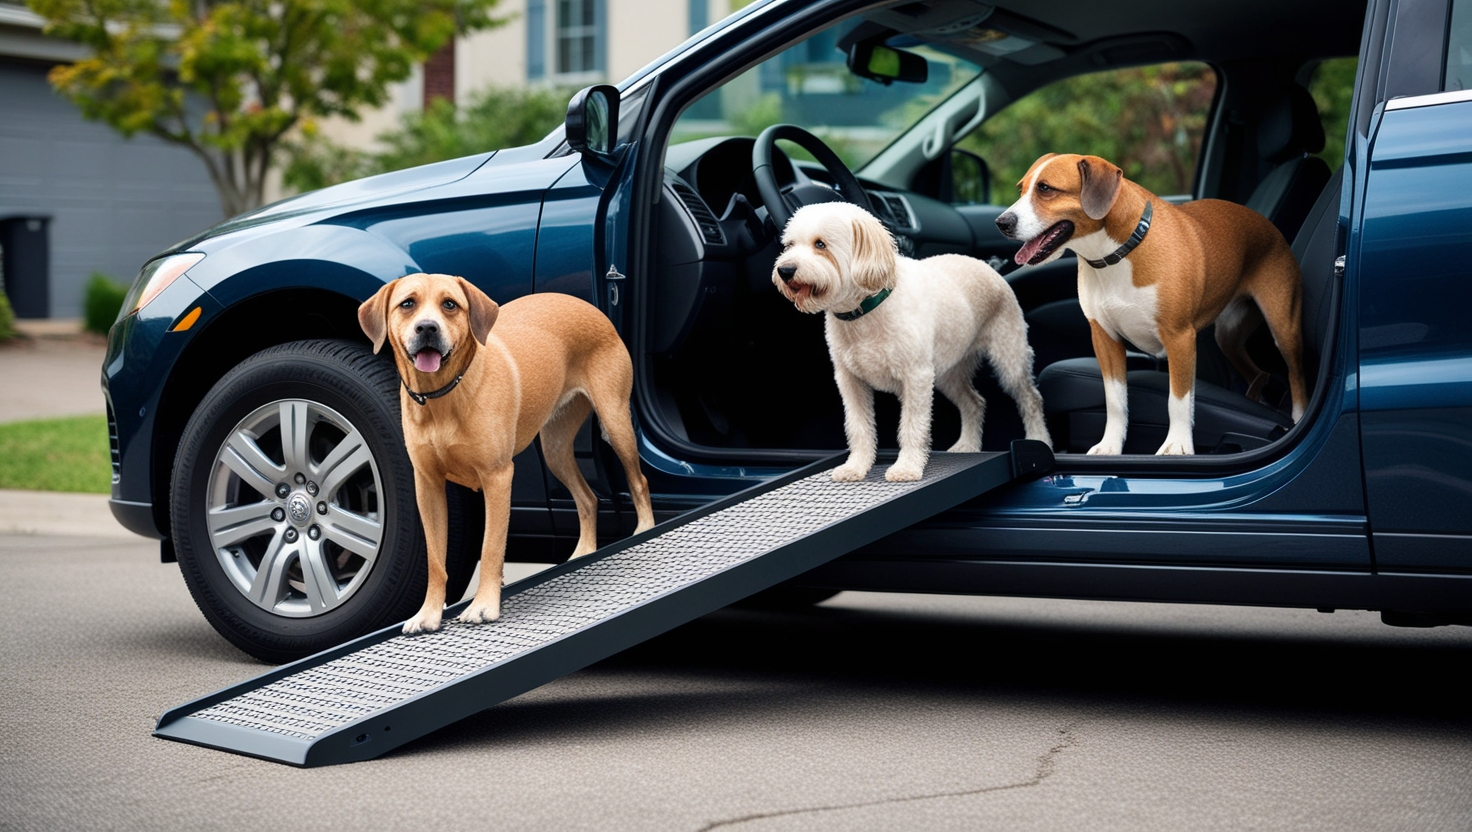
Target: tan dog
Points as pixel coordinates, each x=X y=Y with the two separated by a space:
x=1157 y=276
x=472 y=399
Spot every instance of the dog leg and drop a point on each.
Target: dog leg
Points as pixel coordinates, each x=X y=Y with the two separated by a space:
x=618 y=430
x=858 y=425
x=1180 y=353
x=434 y=515
x=956 y=385
x=1236 y=322
x=1280 y=298
x=915 y=405
x=1110 y=353
x=485 y=607
x=557 y=448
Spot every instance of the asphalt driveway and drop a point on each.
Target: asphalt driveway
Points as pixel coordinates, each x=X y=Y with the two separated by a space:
x=870 y=712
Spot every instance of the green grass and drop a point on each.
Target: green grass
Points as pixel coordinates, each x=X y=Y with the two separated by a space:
x=68 y=454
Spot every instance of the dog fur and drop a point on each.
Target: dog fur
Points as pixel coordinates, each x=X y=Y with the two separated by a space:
x=549 y=360
x=1201 y=262
x=944 y=314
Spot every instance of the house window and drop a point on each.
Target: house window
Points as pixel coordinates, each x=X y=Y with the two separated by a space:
x=577 y=36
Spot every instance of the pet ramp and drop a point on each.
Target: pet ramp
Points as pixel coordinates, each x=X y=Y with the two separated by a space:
x=369 y=696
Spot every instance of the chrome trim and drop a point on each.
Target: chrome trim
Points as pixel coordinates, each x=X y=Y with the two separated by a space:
x=1429 y=100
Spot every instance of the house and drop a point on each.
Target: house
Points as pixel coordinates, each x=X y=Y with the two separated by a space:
x=104 y=202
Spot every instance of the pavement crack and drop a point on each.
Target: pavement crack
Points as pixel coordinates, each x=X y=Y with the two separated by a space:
x=1046 y=764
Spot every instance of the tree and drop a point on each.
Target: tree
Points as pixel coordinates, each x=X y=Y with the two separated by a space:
x=230 y=80
x=493 y=119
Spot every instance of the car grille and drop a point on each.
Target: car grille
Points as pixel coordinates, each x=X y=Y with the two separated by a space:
x=112 y=443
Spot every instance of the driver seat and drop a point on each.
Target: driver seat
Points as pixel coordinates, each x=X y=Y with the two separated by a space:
x=1226 y=421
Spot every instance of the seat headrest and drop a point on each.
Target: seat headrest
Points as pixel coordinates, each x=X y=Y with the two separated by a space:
x=1290 y=127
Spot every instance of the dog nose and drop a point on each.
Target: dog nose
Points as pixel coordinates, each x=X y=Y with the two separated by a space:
x=1007 y=223
x=426 y=327
x=786 y=273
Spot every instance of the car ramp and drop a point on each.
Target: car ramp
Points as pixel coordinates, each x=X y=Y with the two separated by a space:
x=369 y=696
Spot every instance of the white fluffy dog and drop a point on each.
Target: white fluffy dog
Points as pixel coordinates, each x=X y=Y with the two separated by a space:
x=905 y=327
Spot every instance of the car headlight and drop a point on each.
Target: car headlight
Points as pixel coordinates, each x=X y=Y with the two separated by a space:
x=156 y=277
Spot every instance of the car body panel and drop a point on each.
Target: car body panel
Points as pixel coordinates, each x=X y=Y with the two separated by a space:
x=1415 y=336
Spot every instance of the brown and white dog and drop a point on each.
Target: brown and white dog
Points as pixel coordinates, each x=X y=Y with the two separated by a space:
x=906 y=327
x=1156 y=273
x=473 y=397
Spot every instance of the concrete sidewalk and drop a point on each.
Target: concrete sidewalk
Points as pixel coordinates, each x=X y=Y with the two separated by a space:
x=52 y=370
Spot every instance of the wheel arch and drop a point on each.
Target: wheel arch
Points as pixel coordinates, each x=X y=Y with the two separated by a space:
x=240 y=330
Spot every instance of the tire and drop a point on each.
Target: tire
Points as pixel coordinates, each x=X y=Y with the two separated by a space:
x=344 y=556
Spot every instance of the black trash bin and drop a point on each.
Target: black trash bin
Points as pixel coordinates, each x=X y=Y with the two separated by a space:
x=25 y=264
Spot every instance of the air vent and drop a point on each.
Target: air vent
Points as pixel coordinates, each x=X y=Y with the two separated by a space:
x=710 y=227
x=112 y=441
x=899 y=210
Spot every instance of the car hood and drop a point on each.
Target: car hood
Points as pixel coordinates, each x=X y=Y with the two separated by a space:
x=347 y=195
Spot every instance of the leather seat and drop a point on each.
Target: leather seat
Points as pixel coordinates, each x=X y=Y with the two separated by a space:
x=1287 y=136
x=1226 y=421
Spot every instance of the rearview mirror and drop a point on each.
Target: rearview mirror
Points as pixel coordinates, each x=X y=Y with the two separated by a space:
x=592 y=120
x=886 y=64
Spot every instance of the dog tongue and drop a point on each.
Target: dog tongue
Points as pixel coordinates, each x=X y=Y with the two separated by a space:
x=427 y=361
x=1029 y=249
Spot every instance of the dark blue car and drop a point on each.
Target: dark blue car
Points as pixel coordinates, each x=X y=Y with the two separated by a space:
x=239 y=386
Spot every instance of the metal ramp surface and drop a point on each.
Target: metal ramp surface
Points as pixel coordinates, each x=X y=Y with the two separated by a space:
x=369 y=696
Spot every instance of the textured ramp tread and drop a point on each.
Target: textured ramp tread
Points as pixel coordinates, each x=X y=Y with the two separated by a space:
x=632 y=589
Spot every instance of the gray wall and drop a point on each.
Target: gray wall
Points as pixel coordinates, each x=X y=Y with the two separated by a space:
x=114 y=202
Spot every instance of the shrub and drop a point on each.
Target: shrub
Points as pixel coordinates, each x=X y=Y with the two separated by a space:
x=103 y=301
x=7 y=318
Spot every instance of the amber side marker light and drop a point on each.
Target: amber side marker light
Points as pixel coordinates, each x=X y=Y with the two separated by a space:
x=188 y=320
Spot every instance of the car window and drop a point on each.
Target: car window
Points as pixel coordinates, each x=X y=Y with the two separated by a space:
x=1148 y=120
x=1458 y=72
x=810 y=85
x=1332 y=86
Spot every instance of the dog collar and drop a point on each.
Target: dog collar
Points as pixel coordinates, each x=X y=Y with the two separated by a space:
x=1129 y=245
x=422 y=398
x=869 y=305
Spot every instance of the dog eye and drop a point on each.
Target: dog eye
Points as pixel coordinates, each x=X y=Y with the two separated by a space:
x=820 y=244
x=1044 y=186
x=408 y=304
x=449 y=305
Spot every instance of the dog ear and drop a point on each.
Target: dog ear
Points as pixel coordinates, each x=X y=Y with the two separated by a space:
x=873 y=262
x=373 y=315
x=483 y=310
x=1100 y=187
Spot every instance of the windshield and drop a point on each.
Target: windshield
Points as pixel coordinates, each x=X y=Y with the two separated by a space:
x=811 y=86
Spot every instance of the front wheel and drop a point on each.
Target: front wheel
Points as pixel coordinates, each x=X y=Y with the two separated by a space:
x=293 y=507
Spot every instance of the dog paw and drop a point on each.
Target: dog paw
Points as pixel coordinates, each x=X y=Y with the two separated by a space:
x=481 y=612
x=965 y=447
x=904 y=473
x=427 y=621
x=849 y=473
x=1106 y=449
x=1174 y=447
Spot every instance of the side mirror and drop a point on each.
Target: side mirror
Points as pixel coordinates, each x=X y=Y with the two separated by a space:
x=592 y=120
x=886 y=64
x=971 y=178
x=958 y=177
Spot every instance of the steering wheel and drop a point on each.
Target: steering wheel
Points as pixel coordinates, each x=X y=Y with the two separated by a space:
x=780 y=207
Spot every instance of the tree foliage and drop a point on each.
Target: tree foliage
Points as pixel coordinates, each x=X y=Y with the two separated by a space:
x=493 y=119
x=1148 y=120
x=230 y=80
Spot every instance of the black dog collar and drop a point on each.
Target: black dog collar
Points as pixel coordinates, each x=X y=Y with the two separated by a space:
x=422 y=398
x=1129 y=245
x=869 y=304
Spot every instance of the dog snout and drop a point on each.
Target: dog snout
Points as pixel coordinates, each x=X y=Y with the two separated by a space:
x=426 y=328
x=787 y=273
x=1007 y=223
